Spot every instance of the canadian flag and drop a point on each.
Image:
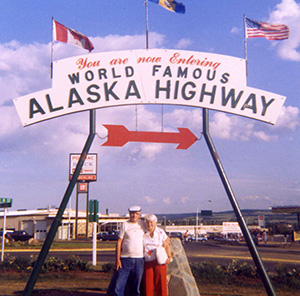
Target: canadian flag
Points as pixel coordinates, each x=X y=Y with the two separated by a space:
x=67 y=35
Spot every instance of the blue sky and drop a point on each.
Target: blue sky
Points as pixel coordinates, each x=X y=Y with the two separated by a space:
x=261 y=160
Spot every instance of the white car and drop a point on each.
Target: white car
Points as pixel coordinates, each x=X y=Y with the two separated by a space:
x=193 y=238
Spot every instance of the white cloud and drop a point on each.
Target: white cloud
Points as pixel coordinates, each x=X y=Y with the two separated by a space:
x=288 y=118
x=167 y=200
x=149 y=151
x=235 y=30
x=261 y=135
x=10 y=123
x=23 y=69
x=288 y=13
x=149 y=199
x=256 y=202
x=226 y=126
x=256 y=198
x=183 y=43
x=184 y=199
x=117 y=42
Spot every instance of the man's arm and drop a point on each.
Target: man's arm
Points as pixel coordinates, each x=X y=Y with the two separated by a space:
x=118 y=253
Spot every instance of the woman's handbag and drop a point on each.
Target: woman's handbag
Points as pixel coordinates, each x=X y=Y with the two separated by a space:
x=161 y=254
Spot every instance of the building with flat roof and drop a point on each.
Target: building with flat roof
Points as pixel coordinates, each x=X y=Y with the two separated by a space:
x=38 y=222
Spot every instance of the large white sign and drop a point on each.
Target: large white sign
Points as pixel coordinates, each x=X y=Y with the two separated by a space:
x=231 y=227
x=153 y=76
x=89 y=168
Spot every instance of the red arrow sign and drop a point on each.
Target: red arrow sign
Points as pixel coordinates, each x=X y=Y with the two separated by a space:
x=119 y=135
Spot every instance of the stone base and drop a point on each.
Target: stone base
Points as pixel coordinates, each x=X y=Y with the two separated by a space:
x=181 y=281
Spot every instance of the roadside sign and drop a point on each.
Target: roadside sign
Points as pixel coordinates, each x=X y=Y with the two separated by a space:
x=89 y=168
x=261 y=221
x=296 y=236
x=5 y=202
x=82 y=187
x=93 y=210
x=206 y=213
x=231 y=227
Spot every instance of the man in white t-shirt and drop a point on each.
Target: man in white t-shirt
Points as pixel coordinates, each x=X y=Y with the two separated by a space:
x=129 y=253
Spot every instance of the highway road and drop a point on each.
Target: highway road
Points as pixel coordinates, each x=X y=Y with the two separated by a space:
x=271 y=254
x=218 y=252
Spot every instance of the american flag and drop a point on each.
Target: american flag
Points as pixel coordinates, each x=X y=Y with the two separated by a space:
x=268 y=31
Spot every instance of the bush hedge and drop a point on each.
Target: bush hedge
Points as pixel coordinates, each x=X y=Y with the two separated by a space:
x=212 y=272
x=11 y=263
x=287 y=277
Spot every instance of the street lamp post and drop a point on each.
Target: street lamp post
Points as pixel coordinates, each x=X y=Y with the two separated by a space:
x=165 y=223
x=197 y=220
x=197 y=223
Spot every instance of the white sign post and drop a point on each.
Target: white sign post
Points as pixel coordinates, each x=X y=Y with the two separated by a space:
x=94 y=243
x=4 y=203
x=3 y=234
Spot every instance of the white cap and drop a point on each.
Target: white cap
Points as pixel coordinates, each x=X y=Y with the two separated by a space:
x=135 y=209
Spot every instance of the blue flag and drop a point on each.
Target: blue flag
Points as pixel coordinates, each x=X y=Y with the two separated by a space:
x=171 y=5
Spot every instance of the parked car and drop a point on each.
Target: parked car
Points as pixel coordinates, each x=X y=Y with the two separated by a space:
x=108 y=236
x=220 y=238
x=7 y=231
x=100 y=234
x=20 y=235
x=175 y=234
x=193 y=238
x=224 y=238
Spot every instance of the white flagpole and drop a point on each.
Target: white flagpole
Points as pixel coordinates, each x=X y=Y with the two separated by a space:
x=245 y=42
x=147 y=46
x=52 y=43
x=147 y=25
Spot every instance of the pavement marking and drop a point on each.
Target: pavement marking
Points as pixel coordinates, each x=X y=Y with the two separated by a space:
x=57 y=250
x=249 y=258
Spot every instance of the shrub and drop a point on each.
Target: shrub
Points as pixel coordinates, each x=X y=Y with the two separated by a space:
x=76 y=263
x=208 y=271
x=16 y=263
x=235 y=268
x=211 y=271
x=7 y=262
x=287 y=277
x=51 y=264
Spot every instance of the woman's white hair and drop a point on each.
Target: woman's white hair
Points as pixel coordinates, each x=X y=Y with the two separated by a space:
x=151 y=217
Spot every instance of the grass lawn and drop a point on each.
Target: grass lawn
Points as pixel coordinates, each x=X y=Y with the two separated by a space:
x=96 y=282
x=60 y=245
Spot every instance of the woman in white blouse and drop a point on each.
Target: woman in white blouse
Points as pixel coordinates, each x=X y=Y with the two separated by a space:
x=155 y=275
